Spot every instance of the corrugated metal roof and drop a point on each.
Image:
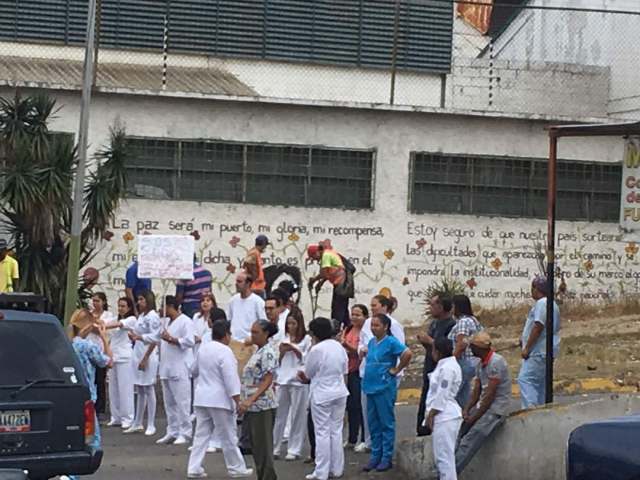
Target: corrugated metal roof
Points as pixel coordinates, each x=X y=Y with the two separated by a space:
x=68 y=74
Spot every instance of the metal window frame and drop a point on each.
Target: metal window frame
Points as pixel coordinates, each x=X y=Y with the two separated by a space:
x=177 y=168
x=588 y=194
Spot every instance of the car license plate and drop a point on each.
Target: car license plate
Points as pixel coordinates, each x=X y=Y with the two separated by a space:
x=15 y=421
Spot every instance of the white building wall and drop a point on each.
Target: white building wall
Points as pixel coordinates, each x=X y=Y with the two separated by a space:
x=391 y=247
x=584 y=38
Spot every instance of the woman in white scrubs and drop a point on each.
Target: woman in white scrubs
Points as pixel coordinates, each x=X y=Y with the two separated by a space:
x=145 y=362
x=292 y=394
x=121 y=398
x=326 y=367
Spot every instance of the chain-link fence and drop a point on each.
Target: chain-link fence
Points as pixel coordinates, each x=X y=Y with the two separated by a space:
x=523 y=57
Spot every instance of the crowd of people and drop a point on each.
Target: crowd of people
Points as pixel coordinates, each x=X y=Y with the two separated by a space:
x=257 y=376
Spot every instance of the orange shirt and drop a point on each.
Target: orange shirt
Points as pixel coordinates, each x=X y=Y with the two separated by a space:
x=254 y=258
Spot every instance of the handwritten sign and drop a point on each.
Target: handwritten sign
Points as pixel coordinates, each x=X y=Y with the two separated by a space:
x=630 y=198
x=166 y=256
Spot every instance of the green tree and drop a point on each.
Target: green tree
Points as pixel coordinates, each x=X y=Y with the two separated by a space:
x=38 y=168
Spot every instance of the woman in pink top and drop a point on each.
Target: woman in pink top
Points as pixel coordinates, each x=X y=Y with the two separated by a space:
x=350 y=339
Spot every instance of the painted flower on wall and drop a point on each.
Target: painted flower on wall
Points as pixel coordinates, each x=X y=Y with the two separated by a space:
x=234 y=241
x=195 y=234
x=631 y=249
x=108 y=235
x=421 y=243
x=471 y=283
x=588 y=265
x=293 y=237
x=496 y=263
x=388 y=254
x=231 y=268
x=128 y=237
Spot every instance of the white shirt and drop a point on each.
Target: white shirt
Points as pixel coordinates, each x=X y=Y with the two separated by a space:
x=243 y=313
x=120 y=344
x=326 y=365
x=216 y=374
x=175 y=360
x=107 y=317
x=444 y=383
x=282 y=325
x=290 y=364
x=397 y=330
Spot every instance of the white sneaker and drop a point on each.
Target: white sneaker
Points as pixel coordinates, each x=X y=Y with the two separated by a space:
x=134 y=429
x=181 y=441
x=311 y=476
x=241 y=473
x=166 y=440
x=113 y=423
x=361 y=448
x=126 y=426
x=150 y=431
x=291 y=457
x=197 y=475
x=276 y=455
x=212 y=450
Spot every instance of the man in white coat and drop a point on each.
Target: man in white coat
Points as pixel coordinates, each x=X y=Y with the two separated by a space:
x=178 y=338
x=443 y=414
x=216 y=398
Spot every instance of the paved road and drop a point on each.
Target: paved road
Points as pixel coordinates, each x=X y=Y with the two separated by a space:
x=138 y=457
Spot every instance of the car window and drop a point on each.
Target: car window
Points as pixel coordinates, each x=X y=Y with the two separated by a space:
x=34 y=350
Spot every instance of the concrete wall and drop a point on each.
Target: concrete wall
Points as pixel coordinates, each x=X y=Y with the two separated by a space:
x=391 y=247
x=600 y=39
x=554 y=90
x=532 y=88
x=531 y=445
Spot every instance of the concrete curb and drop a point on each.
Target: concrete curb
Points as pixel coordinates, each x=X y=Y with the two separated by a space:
x=567 y=387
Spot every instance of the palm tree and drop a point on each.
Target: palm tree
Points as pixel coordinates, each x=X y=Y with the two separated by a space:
x=38 y=169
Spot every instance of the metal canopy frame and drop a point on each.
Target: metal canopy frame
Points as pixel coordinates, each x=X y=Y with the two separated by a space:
x=556 y=132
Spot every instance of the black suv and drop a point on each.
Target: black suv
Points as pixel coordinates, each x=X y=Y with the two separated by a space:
x=46 y=414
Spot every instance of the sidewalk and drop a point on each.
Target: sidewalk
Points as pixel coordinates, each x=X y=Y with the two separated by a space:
x=136 y=457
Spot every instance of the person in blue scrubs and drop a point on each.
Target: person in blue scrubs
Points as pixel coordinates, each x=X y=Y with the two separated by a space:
x=380 y=385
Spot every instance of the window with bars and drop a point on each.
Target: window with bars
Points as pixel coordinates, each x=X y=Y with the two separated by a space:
x=216 y=171
x=512 y=187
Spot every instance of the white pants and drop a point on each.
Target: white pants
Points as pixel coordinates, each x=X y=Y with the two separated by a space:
x=224 y=423
x=146 y=401
x=121 y=402
x=367 y=432
x=177 y=402
x=444 y=437
x=327 y=422
x=293 y=402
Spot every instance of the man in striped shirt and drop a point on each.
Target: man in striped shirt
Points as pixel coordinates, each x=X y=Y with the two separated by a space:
x=189 y=292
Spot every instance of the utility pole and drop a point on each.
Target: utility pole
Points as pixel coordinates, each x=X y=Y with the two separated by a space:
x=73 y=266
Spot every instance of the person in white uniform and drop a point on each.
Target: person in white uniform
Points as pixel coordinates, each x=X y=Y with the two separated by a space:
x=216 y=399
x=443 y=414
x=177 y=340
x=292 y=394
x=244 y=309
x=121 y=398
x=144 y=361
x=204 y=334
x=380 y=305
x=326 y=367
